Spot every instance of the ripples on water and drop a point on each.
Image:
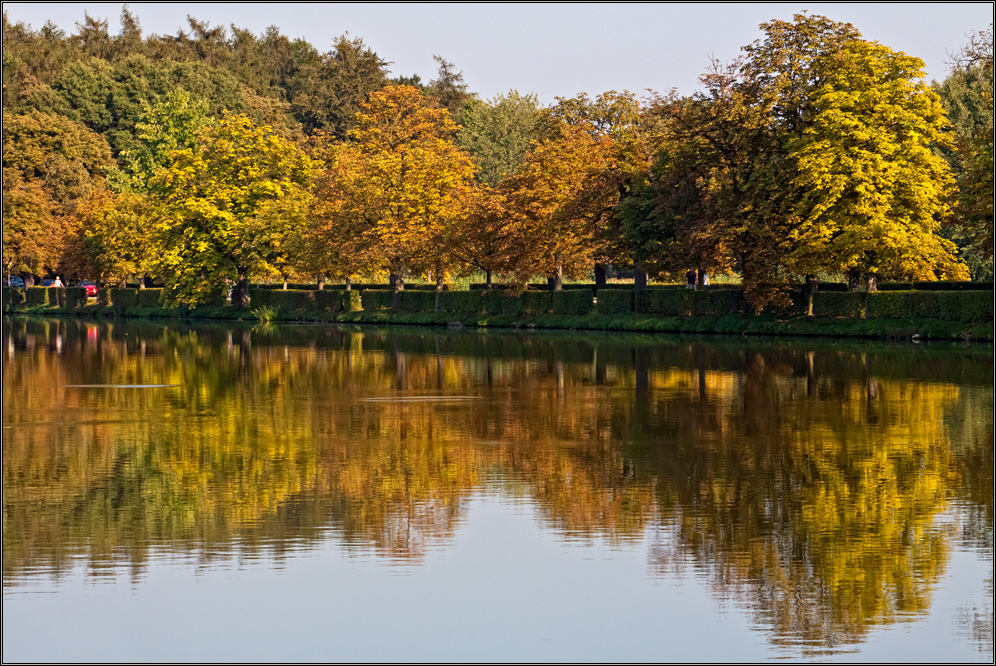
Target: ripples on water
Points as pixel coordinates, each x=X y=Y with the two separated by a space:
x=584 y=497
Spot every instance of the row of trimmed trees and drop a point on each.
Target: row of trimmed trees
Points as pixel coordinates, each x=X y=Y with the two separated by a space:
x=816 y=153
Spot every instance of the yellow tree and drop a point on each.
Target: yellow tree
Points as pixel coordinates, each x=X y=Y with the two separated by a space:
x=398 y=181
x=875 y=192
x=226 y=208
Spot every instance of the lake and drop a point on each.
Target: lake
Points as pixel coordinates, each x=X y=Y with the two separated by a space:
x=177 y=491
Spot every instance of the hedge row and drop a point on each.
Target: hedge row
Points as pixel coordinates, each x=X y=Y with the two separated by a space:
x=573 y=302
x=970 y=306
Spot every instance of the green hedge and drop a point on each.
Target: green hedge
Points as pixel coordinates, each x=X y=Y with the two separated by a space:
x=124 y=298
x=351 y=301
x=615 y=301
x=715 y=302
x=150 y=298
x=12 y=296
x=377 y=299
x=963 y=306
x=36 y=296
x=573 y=302
x=847 y=304
x=460 y=301
x=75 y=297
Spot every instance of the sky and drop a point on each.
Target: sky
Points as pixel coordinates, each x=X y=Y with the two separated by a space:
x=549 y=49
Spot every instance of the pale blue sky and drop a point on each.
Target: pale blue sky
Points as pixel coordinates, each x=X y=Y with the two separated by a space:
x=551 y=49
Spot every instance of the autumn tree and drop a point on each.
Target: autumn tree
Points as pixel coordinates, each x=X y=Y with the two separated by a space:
x=225 y=208
x=399 y=180
x=873 y=191
x=558 y=198
x=50 y=165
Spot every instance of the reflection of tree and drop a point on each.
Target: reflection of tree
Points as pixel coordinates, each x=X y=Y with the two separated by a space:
x=816 y=512
x=806 y=481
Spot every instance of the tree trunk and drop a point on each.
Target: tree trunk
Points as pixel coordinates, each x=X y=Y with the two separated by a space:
x=699 y=279
x=321 y=282
x=285 y=282
x=242 y=288
x=599 y=275
x=558 y=278
x=853 y=279
x=399 y=286
x=439 y=290
x=487 y=280
x=639 y=279
x=349 y=284
x=872 y=279
x=810 y=293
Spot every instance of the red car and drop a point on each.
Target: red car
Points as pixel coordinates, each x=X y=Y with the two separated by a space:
x=91 y=288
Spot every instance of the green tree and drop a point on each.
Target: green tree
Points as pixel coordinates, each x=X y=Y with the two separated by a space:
x=498 y=133
x=225 y=208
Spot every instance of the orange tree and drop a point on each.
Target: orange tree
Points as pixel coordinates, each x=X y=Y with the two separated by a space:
x=396 y=183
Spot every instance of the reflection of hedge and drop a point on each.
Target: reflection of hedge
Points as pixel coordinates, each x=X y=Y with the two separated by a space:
x=75 y=297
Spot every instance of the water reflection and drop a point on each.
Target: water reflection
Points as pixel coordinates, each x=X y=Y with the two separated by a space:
x=823 y=487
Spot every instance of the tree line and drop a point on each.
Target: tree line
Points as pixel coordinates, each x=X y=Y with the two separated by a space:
x=217 y=156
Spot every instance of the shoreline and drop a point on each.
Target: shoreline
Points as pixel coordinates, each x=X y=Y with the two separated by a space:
x=730 y=324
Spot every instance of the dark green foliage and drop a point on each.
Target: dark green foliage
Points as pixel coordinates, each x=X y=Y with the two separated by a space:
x=716 y=302
x=663 y=302
x=351 y=301
x=418 y=300
x=75 y=297
x=956 y=306
x=574 y=302
x=12 y=296
x=536 y=302
x=460 y=301
x=850 y=305
x=56 y=295
x=37 y=296
x=501 y=302
x=149 y=298
x=104 y=297
x=615 y=301
x=377 y=299
x=328 y=301
x=124 y=298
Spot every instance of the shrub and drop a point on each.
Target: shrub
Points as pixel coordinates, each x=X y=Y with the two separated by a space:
x=536 y=302
x=847 y=304
x=149 y=298
x=351 y=301
x=573 y=302
x=328 y=301
x=461 y=301
x=124 y=298
x=663 y=302
x=614 y=301
x=37 y=296
x=377 y=299
x=501 y=302
x=12 y=296
x=104 y=297
x=418 y=301
x=715 y=302
x=75 y=297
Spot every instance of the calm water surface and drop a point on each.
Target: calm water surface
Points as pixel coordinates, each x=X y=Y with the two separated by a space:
x=235 y=493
